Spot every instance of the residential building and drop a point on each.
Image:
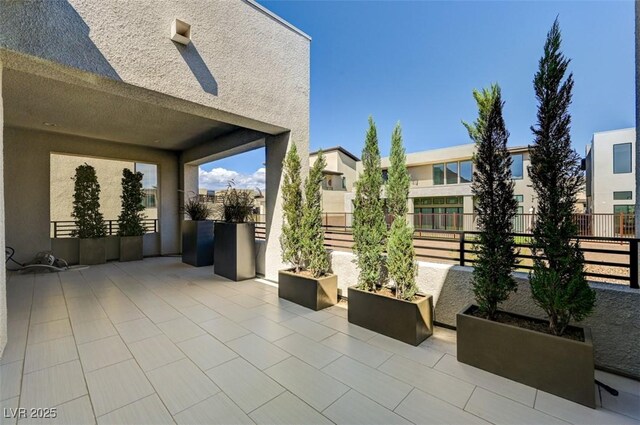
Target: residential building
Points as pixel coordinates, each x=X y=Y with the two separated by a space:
x=440 y=194
x=610 y=172
x=339 y=177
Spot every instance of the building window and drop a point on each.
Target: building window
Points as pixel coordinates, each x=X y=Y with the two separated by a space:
x=149 y=183
x=452 y=172
x=624 y=209
x=519 y=198
x=517 y=167
x=385 y=175
x=622 y=158
x=466 y=172
x=344 y=182
x=438 y=174
x=622 y=196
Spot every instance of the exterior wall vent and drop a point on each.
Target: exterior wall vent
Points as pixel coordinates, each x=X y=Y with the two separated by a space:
x=180 y=32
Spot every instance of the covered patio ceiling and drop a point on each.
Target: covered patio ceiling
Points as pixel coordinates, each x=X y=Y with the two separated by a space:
x=115 y=111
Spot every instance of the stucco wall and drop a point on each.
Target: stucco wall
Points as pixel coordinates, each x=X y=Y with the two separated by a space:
x=240 y=60
x=615 y=322
x=605 y=182
x=27 y=176
x=3 y=276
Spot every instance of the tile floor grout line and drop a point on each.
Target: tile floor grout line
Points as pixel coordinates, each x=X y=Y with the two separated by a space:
x=84 y=376
x=24 y=356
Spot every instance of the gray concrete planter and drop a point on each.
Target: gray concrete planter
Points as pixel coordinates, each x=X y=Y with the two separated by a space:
x=92 y=251
x=309 y=292
x=235 y=250
x=131 y=248
x=406 y=321
x=197 y=242
x=550 y=363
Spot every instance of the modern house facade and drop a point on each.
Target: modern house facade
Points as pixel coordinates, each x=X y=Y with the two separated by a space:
x=90 y=79
x=611 y=172
x=440 y=196
x=339 y=177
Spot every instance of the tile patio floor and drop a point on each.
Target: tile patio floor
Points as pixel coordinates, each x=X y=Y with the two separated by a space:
x=161 y=342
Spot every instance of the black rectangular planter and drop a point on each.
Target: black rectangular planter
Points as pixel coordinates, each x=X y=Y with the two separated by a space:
x=307 y=291
x=557 y=365
x=131 y=248
x=406 y=321
x=235 y=250
x=92 y=251
x=197 y=242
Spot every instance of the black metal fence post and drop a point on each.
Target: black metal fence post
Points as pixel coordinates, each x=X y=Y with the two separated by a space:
x=633 y=264
x=462 y=248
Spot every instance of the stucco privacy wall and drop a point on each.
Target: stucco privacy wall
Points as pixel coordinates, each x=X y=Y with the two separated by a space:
x=3 y=272
x=615 y=322
x=27 y=176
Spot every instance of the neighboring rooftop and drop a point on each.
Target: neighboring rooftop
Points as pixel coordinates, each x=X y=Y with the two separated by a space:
x=336 y=148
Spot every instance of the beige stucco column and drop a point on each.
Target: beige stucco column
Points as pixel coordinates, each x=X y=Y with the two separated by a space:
x=3 y=277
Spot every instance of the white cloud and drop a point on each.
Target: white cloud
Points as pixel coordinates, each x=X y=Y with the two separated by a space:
x=218 y=178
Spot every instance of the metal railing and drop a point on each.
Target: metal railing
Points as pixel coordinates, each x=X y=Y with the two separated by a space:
x=608 y=259
x=66 y=228
x=597 y=225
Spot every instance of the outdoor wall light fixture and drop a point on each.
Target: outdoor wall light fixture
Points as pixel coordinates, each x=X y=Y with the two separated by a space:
x=180 y=32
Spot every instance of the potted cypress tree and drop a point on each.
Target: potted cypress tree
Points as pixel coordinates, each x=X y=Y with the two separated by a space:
x=130 y=228
x=397 y=311
x=197 y=233
x=90 y=227
x=550 y=355
x=308 y=282
x=235 y=236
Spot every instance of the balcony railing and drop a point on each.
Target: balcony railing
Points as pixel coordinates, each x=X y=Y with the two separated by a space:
x=66 y=228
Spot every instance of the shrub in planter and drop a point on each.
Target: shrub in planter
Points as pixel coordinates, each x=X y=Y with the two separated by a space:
x=397 y=311
x=234 y=243
x=308 y=282
x=197 y=233
x=525 y=349
x=130 y=228
x=90 y=226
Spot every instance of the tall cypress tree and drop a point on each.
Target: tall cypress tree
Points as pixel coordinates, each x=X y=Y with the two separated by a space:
x=369 y=226
x=558 y=284
x=291 y=237
x=86 y=204
x=400 y=252
x=495 y=204
x=313 y=250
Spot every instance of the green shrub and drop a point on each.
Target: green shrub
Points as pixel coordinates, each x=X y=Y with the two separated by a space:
x=401 y=263
x=131 y=216
x=558 y=284
x=292 y=235
x=86 y=204
x=313 y=251
x=495 y=204
x=369 y=226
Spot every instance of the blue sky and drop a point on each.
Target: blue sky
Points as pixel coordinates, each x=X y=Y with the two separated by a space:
x=417 y=63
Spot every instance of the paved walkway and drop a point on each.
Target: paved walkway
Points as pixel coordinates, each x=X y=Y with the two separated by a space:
x=158 y=342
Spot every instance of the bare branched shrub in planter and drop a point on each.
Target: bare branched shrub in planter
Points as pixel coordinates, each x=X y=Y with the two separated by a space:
x=238 y=205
